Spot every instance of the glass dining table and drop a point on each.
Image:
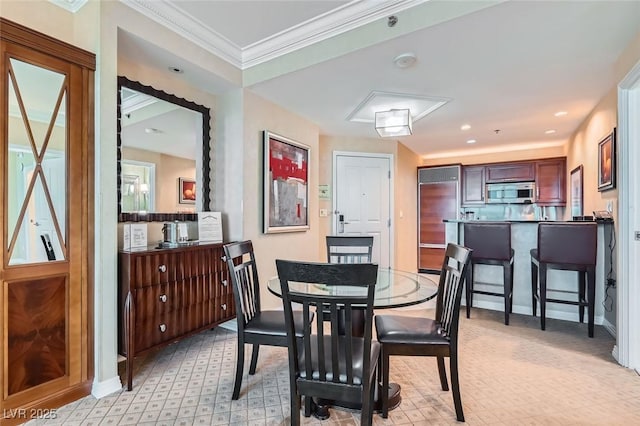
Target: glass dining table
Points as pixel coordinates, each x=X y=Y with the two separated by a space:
x=394 y=289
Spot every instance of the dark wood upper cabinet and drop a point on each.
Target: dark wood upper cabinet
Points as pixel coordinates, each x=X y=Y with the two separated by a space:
x=551 y=182
x=510 y=172
x=473 y=185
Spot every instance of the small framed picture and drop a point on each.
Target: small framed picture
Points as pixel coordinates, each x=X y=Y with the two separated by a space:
x=607 y=162
x=186 y=191
x=576 y=192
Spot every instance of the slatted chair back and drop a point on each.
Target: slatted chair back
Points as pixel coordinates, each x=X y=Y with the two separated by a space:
x=244 y=279
x=452 y=275
x=326 y=363
x=349 y=249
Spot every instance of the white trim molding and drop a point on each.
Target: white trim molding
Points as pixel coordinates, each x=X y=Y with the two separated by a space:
x=352 y=15
x=71 y=5
x=628 y=307
x=107 y=387
x=166 y=13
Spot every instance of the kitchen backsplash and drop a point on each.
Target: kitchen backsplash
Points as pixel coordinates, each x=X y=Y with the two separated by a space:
x=512 y=212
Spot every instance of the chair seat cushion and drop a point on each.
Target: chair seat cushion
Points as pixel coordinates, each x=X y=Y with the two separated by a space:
x=397 y=329
x=272 y=323
x=358 y=349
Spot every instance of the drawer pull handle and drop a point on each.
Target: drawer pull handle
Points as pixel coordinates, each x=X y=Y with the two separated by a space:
x=224 y=306
x=163 y=298
x=163 y=328
x=224 y=283
x=162 y=268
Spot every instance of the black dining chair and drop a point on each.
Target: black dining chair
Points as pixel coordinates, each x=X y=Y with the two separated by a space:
x=328 y=364
x=255 y=326
x=417 y=336
x=349 y=248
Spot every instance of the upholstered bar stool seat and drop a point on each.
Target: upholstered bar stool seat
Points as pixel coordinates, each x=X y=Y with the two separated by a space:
x=491 y=245
x=567 y=246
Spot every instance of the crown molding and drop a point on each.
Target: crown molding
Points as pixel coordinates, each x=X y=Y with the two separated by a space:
x=330 y=24
x=322 y=27
x=71 y=5
x=167 y=14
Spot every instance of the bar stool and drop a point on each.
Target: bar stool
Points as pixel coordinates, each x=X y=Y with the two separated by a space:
x=491 y=244
x=567 y=246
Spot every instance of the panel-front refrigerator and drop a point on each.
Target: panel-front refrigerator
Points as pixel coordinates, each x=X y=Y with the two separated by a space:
x=438 y=199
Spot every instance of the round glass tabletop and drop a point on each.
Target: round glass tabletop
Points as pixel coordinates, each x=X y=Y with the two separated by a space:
x=394 y=288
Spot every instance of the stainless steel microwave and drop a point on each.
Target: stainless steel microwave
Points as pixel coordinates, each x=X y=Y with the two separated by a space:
x=511 y=193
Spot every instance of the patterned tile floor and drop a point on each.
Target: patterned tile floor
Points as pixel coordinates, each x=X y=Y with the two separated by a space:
x=510 y=375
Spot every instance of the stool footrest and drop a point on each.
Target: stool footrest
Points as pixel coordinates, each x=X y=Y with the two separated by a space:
x=488 y=293
x=569 y=302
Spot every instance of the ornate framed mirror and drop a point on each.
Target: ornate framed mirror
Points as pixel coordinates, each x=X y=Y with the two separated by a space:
x=180 y=139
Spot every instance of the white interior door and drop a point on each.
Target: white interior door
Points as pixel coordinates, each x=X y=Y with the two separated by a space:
x=362 y=202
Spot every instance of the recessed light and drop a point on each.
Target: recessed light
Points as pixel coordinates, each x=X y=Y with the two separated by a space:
x=471 y=141
x=405 y=60
x=550 y=131
x=176 y=70
x=560 y=113
x=465 y=127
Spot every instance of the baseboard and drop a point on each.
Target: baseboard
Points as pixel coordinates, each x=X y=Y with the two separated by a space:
x=610 y=328
x=526 y=310
x=231 y=325
x=107 y=387
x=614 y=354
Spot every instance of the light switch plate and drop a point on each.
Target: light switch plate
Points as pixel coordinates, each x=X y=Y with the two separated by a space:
x=324 y=212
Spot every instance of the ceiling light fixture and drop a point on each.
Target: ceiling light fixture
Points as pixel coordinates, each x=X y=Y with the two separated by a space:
x=465 y=127
x=405 y=60
x=550 y=131
x=395 y=122
x=471 y=141
x=176 y=70
x=560 y=113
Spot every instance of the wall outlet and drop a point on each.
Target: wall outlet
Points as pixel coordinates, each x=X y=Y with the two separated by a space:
x=610 y=206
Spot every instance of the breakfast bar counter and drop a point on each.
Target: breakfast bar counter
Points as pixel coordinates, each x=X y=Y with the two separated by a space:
x=524 y=234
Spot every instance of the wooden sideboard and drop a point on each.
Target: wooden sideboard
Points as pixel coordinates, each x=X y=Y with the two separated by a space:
x=165 y=295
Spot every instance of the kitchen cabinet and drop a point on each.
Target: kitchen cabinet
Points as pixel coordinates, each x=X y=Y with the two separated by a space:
x=510 y=172
x=167 y=294
x=473 y=185
x=551 y=182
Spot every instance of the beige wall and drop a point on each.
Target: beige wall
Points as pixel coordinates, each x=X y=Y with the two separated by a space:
x=260 y=115
x=406 y=209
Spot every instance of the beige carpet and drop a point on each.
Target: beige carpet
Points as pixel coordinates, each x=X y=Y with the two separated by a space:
x=510 y=375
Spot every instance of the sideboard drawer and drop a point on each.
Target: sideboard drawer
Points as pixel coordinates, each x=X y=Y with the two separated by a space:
x=158 y=330
x=152 y=269
x=153 y=301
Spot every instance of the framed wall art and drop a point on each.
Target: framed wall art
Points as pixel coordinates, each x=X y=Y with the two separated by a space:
x=186 y=191
x=576 y=191
x=607 y=162
x=286 y=184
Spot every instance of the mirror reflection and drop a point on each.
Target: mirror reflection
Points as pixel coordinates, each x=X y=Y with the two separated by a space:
x=161 y=147
x=36 y=160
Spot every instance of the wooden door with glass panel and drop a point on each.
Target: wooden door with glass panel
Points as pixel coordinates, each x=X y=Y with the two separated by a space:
x=46 y=188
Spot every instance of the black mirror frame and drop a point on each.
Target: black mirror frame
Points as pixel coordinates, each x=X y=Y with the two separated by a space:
x=206 y=149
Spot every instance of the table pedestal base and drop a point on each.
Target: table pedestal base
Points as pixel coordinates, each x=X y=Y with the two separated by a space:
x=320 y=409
